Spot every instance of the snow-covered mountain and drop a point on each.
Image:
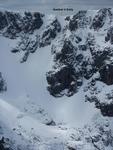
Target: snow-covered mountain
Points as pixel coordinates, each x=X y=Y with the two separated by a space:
x=56 y=81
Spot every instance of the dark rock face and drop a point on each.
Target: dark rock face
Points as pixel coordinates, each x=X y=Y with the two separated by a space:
x=51 y=123
x=28 y=42
x=78 y=21
x=32 y=22
x=14 y=23
x=64 y=79
x=106 y=74
x=71 y=148
x=82 y=47
x=3 y=86
x=50 y=33
x=27 y=45
x=3 y=21
x=13 y=27
x=106 y=109
x=99 y=19
x=67 y=54
x=4 y=144
x=100 y=57
x=109 y=36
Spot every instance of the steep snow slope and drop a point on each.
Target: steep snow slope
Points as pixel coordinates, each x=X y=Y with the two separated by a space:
x=27 y=82
x=25 y=132
x=34 y=57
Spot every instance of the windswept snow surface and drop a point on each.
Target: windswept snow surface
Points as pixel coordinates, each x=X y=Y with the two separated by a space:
x=23 y=127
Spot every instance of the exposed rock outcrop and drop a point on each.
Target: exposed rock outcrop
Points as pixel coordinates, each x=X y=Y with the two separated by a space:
x=60 y=80
x=13 y=23
x=3 y=86
x=80 y=20
x=109 y=36
x=106 y=74
x=4 y=144
x=99 y=19
x=27 y=45
x=49 y=33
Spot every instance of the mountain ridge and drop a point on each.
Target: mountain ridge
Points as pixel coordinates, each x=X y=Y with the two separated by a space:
x=80 y=62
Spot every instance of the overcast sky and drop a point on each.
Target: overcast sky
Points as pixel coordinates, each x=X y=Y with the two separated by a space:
x=48 y=5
